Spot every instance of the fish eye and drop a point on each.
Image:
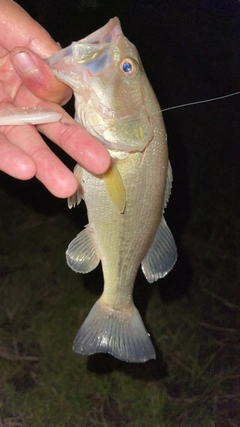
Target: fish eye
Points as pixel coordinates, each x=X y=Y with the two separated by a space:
x=130 y=67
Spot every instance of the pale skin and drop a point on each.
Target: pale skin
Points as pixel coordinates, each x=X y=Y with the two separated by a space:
x=27 y=81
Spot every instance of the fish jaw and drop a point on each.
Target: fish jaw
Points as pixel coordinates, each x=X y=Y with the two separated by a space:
x=77 y=62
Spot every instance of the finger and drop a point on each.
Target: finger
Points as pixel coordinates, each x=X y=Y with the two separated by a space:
x=14 y=161
x=38 y=77
x=79 y=144
x=69 y=135
x=17 y=28
x=56 y=177
x=3 y=52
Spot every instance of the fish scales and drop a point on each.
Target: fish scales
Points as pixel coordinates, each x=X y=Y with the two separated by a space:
x=115 y=102
x=125 y=206
x=122 y=240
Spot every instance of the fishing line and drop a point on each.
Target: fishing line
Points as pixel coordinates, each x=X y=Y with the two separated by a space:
x=175 y=107
x=201 y=102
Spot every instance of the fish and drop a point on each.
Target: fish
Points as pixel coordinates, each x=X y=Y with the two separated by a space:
x=115 y=102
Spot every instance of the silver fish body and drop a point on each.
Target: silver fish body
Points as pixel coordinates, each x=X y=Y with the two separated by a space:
x=115 y=102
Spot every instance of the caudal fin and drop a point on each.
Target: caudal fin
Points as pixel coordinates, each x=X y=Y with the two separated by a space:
x=120 y=333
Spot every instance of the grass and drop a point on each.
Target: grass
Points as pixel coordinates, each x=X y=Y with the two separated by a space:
x=195 y=380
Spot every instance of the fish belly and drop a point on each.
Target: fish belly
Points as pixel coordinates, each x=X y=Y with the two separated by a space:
x=122 y=240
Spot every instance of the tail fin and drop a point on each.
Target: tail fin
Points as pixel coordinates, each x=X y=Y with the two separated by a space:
x=120 y=333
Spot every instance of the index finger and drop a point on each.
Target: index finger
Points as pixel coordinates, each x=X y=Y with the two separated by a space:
x=79 y=144
x=69 y=135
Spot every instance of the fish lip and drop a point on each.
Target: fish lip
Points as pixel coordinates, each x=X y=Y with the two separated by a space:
x=98 y=41
x=99 y=36
x=97 y=45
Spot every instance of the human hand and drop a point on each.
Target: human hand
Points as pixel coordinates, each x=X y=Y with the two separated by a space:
x=27 y=81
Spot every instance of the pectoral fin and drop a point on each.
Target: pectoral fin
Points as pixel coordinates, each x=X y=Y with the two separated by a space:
x=115 y=187
x=161 y=256
x=81 y=254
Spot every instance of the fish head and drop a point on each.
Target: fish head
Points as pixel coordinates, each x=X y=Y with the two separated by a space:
x=109 y=83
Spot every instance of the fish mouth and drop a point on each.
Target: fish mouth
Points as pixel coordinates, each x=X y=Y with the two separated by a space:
x=81 y=66
x=88 y=56
x=106 y=34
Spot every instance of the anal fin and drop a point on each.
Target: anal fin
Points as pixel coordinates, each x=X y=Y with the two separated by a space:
x=162 y=254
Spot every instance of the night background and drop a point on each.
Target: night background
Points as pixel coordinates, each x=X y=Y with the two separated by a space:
x=190 y=51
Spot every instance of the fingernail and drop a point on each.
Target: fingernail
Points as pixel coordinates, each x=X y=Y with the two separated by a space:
x=23 y=62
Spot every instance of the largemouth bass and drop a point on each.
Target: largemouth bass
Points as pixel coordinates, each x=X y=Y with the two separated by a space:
x=114 y=101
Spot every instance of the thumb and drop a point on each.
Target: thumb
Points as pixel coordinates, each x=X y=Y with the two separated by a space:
x=38 y=77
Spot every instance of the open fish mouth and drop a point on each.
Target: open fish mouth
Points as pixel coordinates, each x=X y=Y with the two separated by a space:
x=91 y=52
